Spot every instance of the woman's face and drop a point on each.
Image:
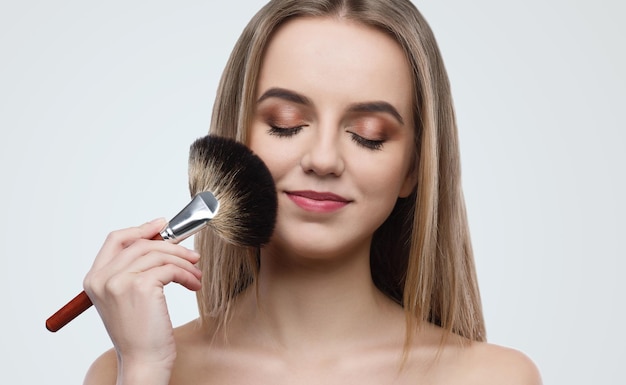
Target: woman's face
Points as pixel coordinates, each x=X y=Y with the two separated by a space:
x=333 y=122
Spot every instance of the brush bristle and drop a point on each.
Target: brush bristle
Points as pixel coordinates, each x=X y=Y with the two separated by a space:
x=243 y=186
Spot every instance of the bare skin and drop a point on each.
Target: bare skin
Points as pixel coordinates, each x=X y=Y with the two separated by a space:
x=250 y=357
x=333 y=116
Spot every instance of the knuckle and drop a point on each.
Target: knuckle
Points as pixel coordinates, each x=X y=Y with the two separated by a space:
x=94 y=284
x=88 y=284
x=91 y=281
x=143 y=247
x=143 y=244
x=115 y=286
x=144 y=286
x=115 y=237
x=124 y=237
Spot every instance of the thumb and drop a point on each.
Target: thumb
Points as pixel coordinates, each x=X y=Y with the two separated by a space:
x=150 y=230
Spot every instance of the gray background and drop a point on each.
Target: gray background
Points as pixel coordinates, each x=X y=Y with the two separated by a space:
x=99 y=102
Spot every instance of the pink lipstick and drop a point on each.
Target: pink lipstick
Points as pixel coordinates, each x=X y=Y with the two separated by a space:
x=321 y=202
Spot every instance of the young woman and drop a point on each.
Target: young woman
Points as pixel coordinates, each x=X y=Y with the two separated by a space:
x=369 y=276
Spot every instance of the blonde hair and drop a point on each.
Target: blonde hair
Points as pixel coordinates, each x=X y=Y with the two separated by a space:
x=421 y=256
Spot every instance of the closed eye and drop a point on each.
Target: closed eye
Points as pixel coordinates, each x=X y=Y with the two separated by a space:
x=367 y=143
x=284 y=131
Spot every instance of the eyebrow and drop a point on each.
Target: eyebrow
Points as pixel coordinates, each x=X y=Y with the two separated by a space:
x=294 y=97
x=377 y=107
x=284 y=94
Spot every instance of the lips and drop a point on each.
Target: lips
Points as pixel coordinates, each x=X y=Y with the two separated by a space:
x=314 y=201
x=319 y=196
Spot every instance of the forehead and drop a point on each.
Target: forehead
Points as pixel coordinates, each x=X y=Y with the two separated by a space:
x=328 y=55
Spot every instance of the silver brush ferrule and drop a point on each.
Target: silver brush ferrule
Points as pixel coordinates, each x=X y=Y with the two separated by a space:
x=195 y=216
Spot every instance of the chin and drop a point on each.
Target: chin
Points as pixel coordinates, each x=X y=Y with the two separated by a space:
x=317 y=249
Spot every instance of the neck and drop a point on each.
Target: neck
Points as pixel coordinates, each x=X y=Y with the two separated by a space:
x=302 y=303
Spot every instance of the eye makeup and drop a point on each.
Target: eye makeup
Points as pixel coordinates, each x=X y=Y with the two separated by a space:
x=369 y=124
x=283 y=119
x=284 y=131
x=367 y=143
x=368 y=131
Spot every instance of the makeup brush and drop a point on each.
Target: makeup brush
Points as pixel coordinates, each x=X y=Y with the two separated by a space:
x=241 y=183
x=234 y=195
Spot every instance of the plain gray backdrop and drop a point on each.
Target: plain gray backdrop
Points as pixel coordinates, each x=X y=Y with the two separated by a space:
x=99 y=102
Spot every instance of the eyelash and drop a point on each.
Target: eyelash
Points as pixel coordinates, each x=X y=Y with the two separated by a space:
x=370 y=144
x=285 y=132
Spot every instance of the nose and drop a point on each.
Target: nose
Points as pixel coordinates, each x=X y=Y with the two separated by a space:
x=323 y=155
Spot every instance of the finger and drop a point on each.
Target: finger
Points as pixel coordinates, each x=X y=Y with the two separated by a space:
x=143 y=247
x=157 y=278
x=117 y=240
x=171 y=269
x=141 y=256
x=97 y=281
x=170 y=273
x=156 y=259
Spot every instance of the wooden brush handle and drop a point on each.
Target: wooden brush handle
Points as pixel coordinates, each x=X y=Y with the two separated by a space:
x=71 y=310
x=74 y=308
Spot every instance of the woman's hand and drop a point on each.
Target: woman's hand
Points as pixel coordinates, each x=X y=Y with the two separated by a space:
x=126 y=284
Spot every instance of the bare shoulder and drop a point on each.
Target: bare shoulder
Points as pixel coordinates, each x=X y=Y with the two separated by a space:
x=460 y=361
x=103 y=370
x=494 y=364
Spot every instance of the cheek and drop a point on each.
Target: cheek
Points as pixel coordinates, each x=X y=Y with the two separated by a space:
x=382 y=176
x=275 y=157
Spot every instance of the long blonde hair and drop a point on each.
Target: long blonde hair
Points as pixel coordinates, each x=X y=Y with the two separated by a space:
x=421 y=256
